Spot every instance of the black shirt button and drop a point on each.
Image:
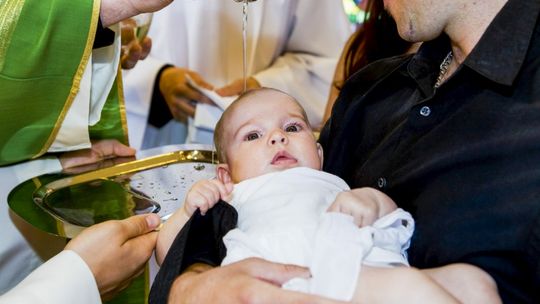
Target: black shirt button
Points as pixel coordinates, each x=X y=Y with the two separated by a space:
x=381 y=182
x=425 y=111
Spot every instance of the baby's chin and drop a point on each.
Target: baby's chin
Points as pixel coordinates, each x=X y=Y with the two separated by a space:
x=274 y=168
x=298 y=164
x=277 y=168
x=283 y=167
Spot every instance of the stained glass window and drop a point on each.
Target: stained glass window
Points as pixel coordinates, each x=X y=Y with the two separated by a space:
x=354 y=10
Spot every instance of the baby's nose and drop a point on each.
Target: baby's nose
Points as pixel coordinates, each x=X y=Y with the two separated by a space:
x=278 y=136
x=276 y=140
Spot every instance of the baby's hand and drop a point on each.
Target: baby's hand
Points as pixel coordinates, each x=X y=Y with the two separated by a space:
x=365 y=205
x=204 y=194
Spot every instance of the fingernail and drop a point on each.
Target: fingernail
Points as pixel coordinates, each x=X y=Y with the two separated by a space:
x=153 y=220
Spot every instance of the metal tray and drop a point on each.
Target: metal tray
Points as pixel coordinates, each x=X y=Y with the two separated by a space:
x=155 y=184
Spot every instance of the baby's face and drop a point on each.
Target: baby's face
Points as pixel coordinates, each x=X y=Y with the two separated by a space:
x=267 y=133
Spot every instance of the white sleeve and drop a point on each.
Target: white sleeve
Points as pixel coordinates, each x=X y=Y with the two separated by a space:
x=63 y=279
x=306 y=67
x=94 y=88
x=138 y=88
x=32 y=168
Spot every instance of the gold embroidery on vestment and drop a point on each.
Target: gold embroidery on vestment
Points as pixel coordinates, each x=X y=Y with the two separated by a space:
x=10 y=11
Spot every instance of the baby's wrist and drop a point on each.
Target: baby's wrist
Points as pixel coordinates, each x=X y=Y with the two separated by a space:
x=188 y=210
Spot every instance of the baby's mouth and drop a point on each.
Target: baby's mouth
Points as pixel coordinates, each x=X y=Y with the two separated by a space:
x=283 y=158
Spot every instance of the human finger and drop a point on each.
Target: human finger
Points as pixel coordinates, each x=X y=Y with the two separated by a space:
x=199 y=80
x=99 y=151
x=223 y=189
x=132 y=55
x=234 y=88
x=139 y=224
x=183 y=108
x=112 y=147
x=196 y=200
x=237 y=87
x=217 y=188
x=146 y=45
x=275 y=273
x=193 y=94
x=202 y=202
x=127 y=31
x=334 y=207
x=210 y=196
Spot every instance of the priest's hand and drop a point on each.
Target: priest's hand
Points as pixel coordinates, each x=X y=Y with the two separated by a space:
x=181 y=97
x=100 y=150
x=237 y=87
x=116 y=251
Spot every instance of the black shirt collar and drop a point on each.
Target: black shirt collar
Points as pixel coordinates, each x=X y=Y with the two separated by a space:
x=498 y=55
x=501 y=51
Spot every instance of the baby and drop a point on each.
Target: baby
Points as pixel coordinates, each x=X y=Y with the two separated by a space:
x=291 y=212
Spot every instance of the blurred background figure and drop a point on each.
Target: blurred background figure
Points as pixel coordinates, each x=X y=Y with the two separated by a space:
x=291 y=45
x=376 y=37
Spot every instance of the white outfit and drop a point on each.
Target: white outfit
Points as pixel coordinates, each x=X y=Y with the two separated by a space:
x=293 y=45
x=63 y=279
x=17 y=257
x=282 y=218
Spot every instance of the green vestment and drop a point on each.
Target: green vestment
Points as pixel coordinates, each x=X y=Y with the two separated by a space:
x=44 y=48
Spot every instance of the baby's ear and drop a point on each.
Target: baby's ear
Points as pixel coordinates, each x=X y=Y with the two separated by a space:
x=223 y=173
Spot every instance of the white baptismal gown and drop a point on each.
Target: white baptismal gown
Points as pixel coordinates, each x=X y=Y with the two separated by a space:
x=282 y=218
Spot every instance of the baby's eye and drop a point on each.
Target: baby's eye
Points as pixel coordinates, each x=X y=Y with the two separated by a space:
x=252 y=136
x=293 y=128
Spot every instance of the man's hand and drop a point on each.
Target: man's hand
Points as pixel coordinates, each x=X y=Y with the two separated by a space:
x=237 y=87
x=249 y=281
x=179 y=95
x=116 y=251
x=100 y=150
x=365 y=205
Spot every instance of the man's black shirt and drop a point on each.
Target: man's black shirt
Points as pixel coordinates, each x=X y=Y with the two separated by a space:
x=464 y=159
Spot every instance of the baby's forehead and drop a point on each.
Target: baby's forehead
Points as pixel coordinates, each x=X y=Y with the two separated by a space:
x=263 y=103
x=269 y=97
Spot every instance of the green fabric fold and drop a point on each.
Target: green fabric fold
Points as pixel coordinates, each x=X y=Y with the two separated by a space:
x=46 y=45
